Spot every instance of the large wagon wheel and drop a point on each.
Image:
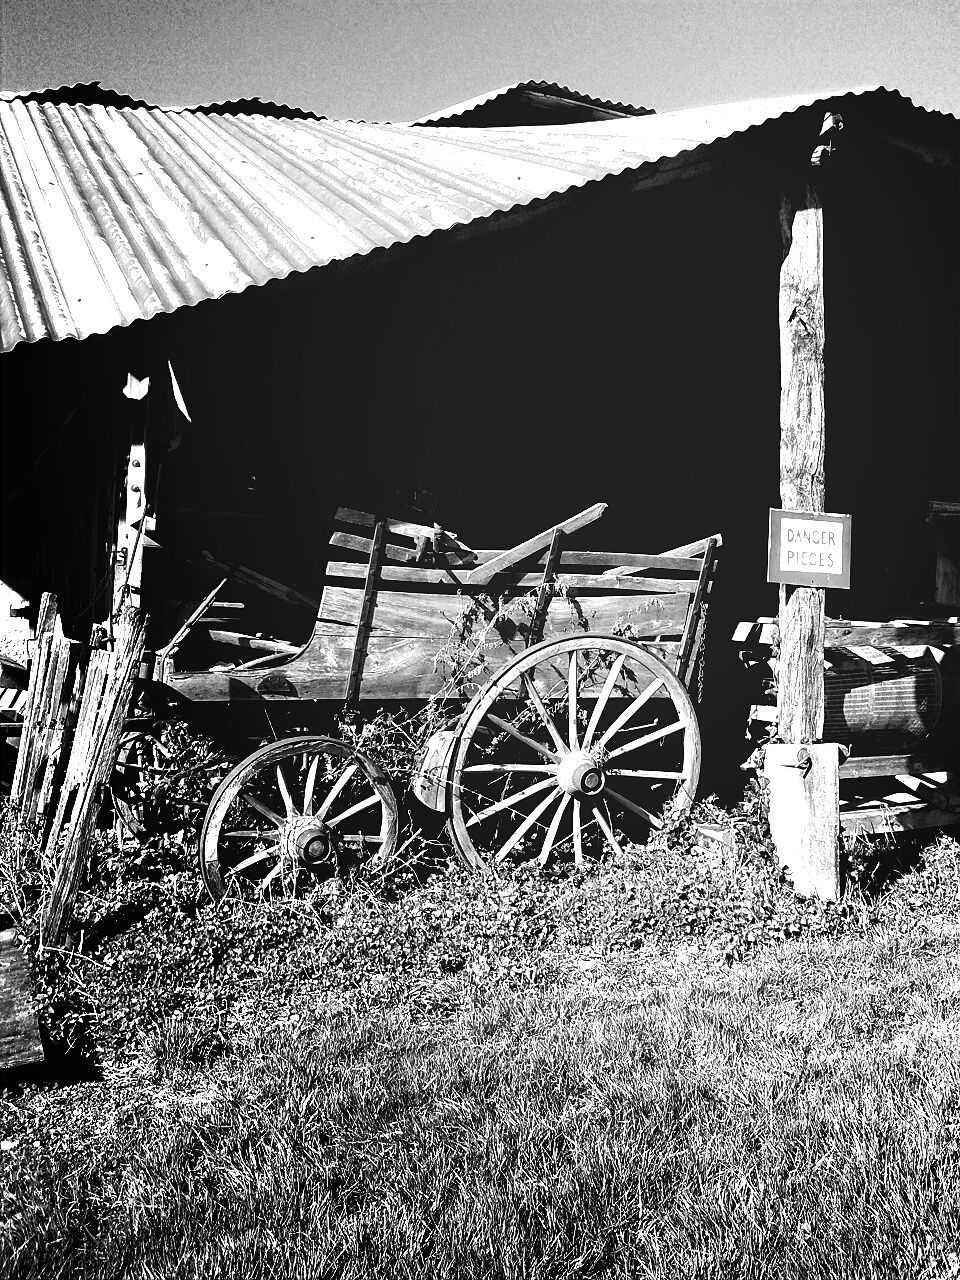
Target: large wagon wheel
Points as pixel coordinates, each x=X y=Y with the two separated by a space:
x=576 y=744
x=293 y=813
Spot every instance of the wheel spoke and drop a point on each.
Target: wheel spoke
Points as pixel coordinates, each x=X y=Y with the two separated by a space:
x=645 y=773
x=603 y=699
x=267 y=812
x=638 y=809
x=251 y=834
x=572 y=700
x=534 y=695
x=631 y=711
x=285 y=792
x=577 y=834
x=356 y=808
x=254 y=857
x=507 y=727
x=524 y=827
x=607 y=830
x=508 y=768
x=647 y=738
x=270 y=876
x=337 y=787
x=552 y=830
x=310 y=786
x=510 y=802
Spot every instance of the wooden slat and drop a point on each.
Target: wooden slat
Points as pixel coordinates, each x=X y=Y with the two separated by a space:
x=442 y=581
x=540 y=541
x=407 y=528
x=392 y=550
x=409 y=613
x=256 y=644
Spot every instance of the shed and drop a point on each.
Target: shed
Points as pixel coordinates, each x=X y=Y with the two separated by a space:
x=518 y=320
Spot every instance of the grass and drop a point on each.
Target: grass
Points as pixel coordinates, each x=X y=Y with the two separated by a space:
x=573 y=1083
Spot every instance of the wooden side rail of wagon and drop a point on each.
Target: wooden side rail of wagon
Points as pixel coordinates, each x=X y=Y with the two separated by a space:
x=892 y=700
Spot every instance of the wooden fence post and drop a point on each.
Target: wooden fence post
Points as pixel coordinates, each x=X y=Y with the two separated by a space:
x=804 y=778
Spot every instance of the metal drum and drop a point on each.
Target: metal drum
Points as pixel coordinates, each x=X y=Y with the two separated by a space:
x=881 y=706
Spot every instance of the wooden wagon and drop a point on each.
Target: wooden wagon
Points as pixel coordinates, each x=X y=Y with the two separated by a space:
x=556 y=683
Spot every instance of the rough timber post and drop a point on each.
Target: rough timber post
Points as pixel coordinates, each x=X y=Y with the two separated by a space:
x=804 y=806
x=802 y=442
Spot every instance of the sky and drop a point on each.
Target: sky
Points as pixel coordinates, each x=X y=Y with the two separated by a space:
x=375 y=59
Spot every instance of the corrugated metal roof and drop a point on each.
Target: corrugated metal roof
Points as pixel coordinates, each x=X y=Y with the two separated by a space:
x=543 y=89
x=94 y=92
x=113 y=214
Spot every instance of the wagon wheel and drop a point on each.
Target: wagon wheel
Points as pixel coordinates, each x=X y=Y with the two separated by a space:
x=577 y=744
x=156 y=785
x=293 y=813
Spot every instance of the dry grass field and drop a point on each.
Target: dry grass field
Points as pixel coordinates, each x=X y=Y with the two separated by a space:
x=668 y=1068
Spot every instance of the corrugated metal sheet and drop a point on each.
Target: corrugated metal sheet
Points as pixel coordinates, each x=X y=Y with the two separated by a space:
x=112 y=214
x=94 y=93
x=541 y=88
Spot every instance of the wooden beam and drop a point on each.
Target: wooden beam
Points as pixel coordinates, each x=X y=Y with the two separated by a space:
x=802 y=444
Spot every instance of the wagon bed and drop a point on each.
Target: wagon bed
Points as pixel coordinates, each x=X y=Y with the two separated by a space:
x=390 y=605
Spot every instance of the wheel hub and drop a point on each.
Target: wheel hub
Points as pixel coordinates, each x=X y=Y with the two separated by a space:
x=579 y=774
x=308 y=841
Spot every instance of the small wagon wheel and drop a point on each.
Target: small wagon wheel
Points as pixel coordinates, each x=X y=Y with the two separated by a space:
x=577 y=743
x=144 y=786
x=293 y=813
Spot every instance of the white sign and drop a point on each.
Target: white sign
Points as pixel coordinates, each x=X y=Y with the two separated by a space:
x=809 y=549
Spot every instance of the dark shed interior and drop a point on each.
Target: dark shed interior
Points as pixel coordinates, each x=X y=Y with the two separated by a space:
x=616 y=344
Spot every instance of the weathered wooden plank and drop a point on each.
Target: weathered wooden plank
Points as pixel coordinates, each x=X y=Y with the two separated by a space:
x=47 y=623
x=891 y=766
x=483 y=573
x=20 y=1044
x=397 y=668
x=98 y=753
x=391 y=550
x=410 y=613
x=940 y=634
x=574 y=582
x=406 y=528
x=800 y=698
x=889 y=818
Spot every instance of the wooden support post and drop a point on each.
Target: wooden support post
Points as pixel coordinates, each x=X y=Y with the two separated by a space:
x=131 y=530
x=803 y=777
x=800 y=683
x=367 y=607
x=545 y=590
